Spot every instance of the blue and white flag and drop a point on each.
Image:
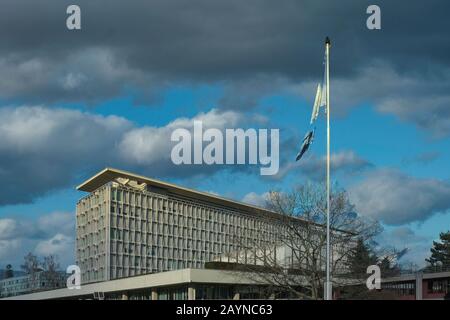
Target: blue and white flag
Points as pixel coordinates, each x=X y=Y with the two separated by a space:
x=320 y=100
x=307 y=141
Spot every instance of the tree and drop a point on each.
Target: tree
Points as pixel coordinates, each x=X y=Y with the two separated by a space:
x=388 y=267
x=364 y=255
x=31 y=266
x=360 y=257
x=48 y=271
x=31 y=263
x=440 y=252
x=294 y=261
x=51 y=271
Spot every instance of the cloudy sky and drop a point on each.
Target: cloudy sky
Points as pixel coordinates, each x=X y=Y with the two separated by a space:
x=74 y=102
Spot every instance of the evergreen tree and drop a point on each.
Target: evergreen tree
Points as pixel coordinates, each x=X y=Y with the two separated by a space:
x=360 y=258
x=440 y=253
x=388 y=267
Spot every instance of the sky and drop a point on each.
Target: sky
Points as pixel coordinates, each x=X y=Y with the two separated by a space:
x=111 y=94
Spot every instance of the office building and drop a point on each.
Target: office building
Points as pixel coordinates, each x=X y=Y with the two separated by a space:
x=131 y=225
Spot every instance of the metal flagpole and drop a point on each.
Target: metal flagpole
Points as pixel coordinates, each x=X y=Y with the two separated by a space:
x=328 y=292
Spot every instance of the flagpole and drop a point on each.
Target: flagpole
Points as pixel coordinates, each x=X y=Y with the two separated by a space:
x=328 y=292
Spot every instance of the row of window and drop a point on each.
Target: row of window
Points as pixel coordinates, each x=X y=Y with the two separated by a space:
x=186 y=238
x=172 y=206
x=405 y=288
x=89 y=239
x=156 y=267
x=164 y=252
x=438 y=286
x=177 y=228
x=157 y=264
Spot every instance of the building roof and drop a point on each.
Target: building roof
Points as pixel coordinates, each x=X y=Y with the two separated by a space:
x=161 y=279
x=412 y=276
x=155 y=280
x=110 y=174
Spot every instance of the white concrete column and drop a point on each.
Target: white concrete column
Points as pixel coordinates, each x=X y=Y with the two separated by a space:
x=419 y=280
x=191 y=293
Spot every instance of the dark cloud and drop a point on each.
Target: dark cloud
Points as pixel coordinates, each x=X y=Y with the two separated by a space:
x=420 y=99
x=152 y=44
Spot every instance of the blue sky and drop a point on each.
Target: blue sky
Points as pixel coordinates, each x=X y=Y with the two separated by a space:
x=72 y=103
x=380 y=139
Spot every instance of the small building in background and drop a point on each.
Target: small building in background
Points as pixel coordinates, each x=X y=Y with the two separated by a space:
x=26 y=284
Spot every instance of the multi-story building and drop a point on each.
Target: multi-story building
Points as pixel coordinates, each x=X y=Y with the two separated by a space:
x=39 y=281
x=131 y=225
x=140 y=238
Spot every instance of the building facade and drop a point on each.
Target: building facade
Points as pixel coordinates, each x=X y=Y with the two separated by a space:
x=419 y=286
x=185 y=284
x=39 y=281
x=130 y=225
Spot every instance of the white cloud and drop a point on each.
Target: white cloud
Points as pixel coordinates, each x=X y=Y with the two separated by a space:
x=6 y=248
x=61 y=222
x=52 y=233
x=36 y=128
x=313 y=167
x=256 y=199
x=43 y=149
x=400 y=238
x=396 y=198
x=7 y=228
x=148 y=145
x=59 y=244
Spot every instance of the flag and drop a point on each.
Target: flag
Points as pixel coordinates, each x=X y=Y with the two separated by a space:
x=307 y=141
x=320 y=100
x=316 y=106
x=323 y=97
